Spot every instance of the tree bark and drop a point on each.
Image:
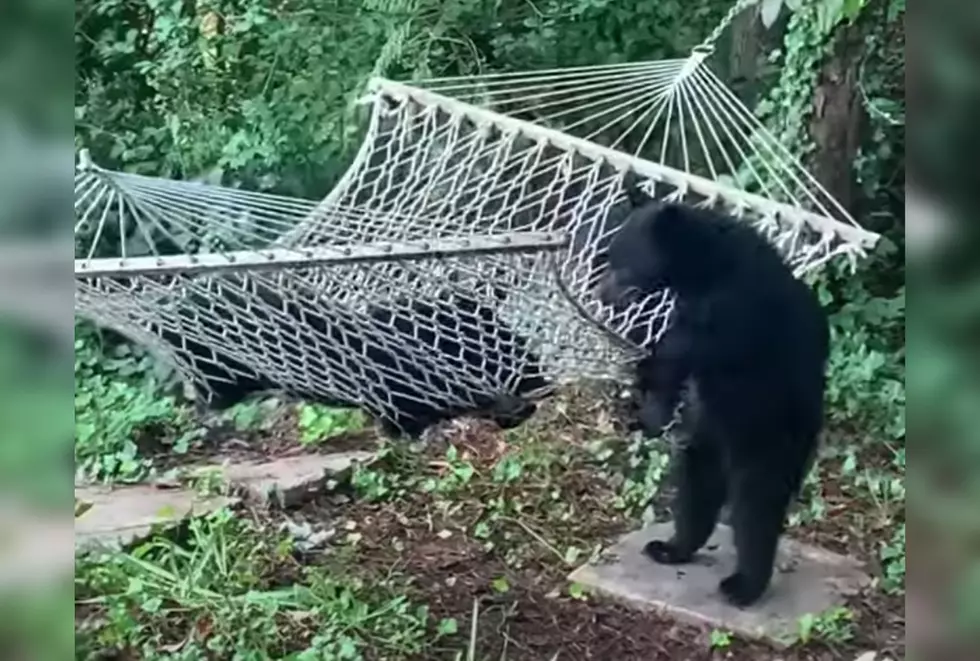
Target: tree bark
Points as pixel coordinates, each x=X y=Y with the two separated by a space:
x=838 y=114
x=744 y=51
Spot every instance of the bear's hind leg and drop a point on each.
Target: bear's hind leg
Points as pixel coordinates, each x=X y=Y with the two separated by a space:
x=701 y=492
x=761 y=498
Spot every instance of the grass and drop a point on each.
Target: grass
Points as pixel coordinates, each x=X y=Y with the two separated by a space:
x=230 y=589
x=461 y=551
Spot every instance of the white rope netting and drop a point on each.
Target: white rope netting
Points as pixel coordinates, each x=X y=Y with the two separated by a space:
x=684 y=125
x=453 y=265
x=390 y=321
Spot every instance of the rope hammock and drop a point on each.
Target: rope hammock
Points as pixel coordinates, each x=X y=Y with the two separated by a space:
x=453 y=264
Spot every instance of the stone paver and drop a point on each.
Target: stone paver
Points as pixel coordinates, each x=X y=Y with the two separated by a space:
x=807 y=580
x=290 y=480
x=125 y=515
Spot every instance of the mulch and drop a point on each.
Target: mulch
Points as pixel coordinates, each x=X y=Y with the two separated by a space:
x=280 y=438
x=535 y=618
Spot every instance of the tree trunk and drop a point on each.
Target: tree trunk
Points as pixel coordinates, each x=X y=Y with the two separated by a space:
x=837 y=117
x=745 y=45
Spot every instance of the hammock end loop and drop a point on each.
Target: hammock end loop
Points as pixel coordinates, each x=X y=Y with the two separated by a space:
x=85 y=163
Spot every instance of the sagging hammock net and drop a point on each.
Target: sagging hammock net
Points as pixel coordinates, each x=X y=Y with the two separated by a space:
x=455 y=260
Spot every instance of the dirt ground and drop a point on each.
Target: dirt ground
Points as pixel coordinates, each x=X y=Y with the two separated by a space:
x=561 y=495
x=535 y=618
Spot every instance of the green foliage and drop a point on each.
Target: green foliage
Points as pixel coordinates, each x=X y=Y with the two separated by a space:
x=720 y=639
x=448 y=626
x=390 y=476
x=833 y=626
x=789 y=104
x=866 y=391
x=866 y=388
x=260 y=93
x=252 y=415
x=265 y=95
x=319 y=423
x=590 y=32
x=120 y=405
x=809 y=35
x=500 y=585
x=893 y=562
x=224 y=584
x=456 y=476
x=396 y=472
x=640 y=466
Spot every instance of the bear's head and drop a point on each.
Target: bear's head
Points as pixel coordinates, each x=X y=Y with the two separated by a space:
x=664 y=245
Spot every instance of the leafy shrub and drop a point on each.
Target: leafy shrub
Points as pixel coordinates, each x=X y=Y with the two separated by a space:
x=320 y=423
x=223 y=588
x=119 y=404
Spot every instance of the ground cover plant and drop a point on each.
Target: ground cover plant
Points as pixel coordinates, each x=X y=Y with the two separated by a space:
x=459 y=548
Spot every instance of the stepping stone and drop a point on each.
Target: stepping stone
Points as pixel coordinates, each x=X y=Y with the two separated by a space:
x=807 y=580
x=288 y=481
x=122 y=516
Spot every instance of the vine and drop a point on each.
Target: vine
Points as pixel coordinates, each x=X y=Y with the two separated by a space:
x=866 y=390
x=789 y=106
x=808 y=41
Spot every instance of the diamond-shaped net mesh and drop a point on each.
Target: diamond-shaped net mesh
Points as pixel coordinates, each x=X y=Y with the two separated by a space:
x=450 y=270
x=308 y=331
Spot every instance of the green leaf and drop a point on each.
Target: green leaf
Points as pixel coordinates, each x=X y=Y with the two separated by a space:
x=464 y=472
x=829 y=14
x=806 y=625
x=720 y=638
x=769 y=11
x=348 y=650
x=152 y=605
x=852 y=8
x=81 y=507
x=448 y=626
x=500 y=584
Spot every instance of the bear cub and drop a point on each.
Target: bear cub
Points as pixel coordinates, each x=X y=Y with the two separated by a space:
x=751 y=341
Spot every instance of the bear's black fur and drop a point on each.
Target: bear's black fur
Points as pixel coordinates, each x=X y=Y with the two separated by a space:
x=457 y=334
x=462 y=336
x=751 y=342
x=229 y=380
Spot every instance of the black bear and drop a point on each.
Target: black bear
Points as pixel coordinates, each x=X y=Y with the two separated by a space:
x=589 y=249
x=750 y=342
x=229 y=380
x=453 y=337
x=460 y=348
